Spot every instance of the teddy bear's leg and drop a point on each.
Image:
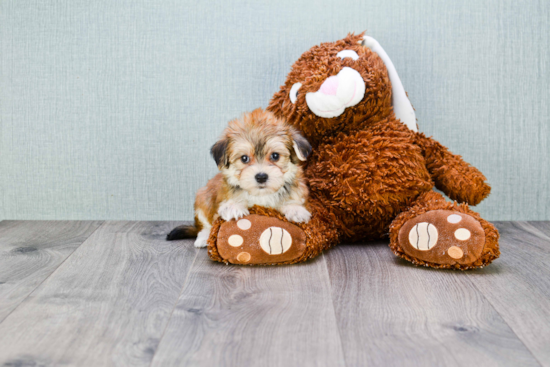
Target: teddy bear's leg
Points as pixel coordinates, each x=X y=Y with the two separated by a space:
x=434 y=232
x=265 y=237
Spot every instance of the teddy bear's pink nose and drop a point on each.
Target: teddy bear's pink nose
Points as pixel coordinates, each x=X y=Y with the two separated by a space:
x=330 y=86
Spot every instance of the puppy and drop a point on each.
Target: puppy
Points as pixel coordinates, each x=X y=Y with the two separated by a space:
x=259 y=158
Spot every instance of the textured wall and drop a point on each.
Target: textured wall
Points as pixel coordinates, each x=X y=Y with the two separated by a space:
x=108 y=108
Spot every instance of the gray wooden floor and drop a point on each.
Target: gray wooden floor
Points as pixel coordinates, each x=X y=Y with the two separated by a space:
x=116 y=293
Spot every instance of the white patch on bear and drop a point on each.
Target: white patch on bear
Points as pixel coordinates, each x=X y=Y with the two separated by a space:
x=462 y=234
x=244 y=224
x=348 y=53
x=235 y=240
x=293 y=94
x=349 y=92
x=454 y=218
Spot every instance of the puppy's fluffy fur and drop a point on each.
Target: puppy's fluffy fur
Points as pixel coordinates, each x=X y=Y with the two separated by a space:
x=259 y=160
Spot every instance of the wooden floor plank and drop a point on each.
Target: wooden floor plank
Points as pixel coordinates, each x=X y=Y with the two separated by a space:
x=393 y=313
x=518 y=284
x=261 y=316
x=30 y=251
x=543 y=226
x=108 y=304
x=109 y=301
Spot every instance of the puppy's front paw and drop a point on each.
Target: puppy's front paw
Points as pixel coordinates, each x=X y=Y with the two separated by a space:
x=296 y=213
x=230 y=210
x=202 y=238
x=201 y=242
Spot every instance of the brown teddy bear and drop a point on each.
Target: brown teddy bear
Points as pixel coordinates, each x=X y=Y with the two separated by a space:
x=371 y=174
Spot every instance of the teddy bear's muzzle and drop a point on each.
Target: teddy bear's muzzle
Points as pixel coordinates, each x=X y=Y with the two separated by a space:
x=337 y=92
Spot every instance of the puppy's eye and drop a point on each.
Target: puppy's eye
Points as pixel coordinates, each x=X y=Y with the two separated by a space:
x=245 y=159
x=347 y=53
x=275 y=157
x=294 y=92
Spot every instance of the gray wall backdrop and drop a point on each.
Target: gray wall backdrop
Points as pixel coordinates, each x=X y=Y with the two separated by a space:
x=108 y=108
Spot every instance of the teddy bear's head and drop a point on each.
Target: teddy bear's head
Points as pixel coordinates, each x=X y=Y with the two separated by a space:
x=336 y=86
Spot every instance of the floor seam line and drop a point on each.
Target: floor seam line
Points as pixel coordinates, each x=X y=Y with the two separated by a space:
x=175 y=305
x=53 y=271
x=334 y=310
x=505 y=321
x=546 y=237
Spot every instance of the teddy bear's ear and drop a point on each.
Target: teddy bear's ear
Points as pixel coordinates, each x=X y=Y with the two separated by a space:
x=301 y=146
x=402 y=107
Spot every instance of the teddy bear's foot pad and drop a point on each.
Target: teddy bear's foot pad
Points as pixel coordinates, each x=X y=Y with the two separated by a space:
x=257 y=239
x=443 y=237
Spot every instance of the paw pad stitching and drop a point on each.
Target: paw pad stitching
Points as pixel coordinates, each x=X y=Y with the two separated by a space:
x=423 y=236
x=275 y=240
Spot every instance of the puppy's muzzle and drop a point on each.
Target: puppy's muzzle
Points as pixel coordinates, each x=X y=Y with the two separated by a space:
x=261 y=177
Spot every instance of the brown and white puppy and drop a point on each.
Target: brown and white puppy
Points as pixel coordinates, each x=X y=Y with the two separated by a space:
x=259 y=158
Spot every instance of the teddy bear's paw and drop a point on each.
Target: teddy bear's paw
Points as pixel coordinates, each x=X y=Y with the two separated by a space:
x=257 y=239
x=443 y=237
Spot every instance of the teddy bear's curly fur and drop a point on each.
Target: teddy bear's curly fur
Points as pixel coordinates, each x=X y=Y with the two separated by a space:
x=369 y=175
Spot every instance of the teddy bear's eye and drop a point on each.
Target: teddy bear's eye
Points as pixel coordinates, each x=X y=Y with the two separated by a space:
x=347 y=53
x=294 y=92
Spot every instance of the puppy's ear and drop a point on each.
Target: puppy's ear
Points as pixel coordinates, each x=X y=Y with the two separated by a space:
x=219 y=152
x=302 y=148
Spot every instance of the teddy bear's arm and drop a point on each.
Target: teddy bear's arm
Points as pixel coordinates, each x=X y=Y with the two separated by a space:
x=456 y=178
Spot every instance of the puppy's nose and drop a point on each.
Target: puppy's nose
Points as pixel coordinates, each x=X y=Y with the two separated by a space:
x=261 y=177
